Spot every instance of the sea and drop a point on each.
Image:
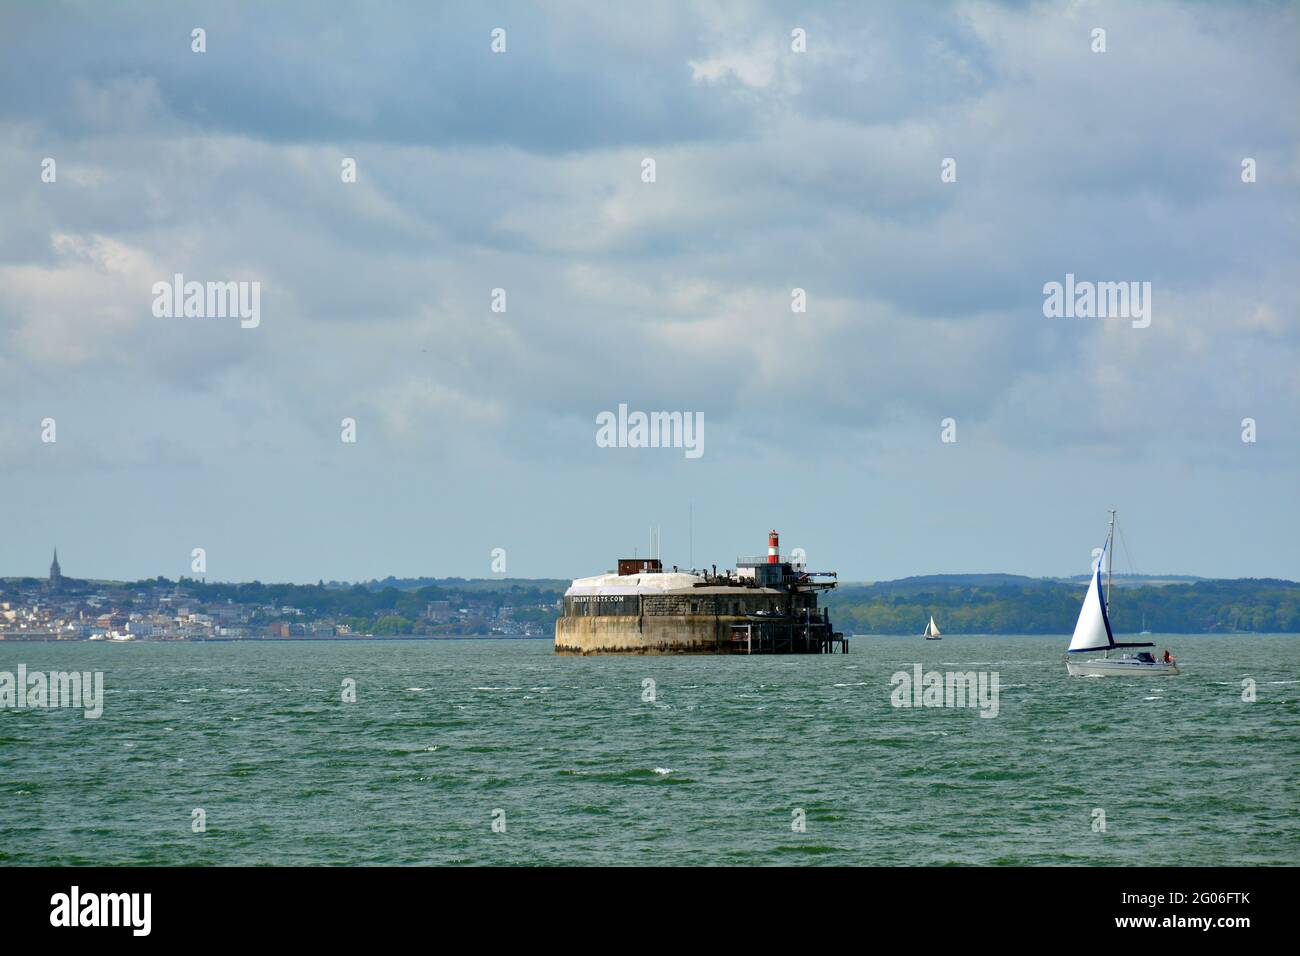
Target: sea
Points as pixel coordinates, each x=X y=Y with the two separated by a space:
x=498 y=752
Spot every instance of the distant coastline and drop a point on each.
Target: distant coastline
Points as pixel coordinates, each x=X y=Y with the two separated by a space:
x=1000 y=604
x=38 y=609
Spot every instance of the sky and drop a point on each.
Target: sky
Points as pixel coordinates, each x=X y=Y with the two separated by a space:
x=524 y=170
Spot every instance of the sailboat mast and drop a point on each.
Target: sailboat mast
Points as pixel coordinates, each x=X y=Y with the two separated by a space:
x=1110 y=556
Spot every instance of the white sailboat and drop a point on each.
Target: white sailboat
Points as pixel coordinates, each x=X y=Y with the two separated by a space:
x=1092 y=633
x=932 y=632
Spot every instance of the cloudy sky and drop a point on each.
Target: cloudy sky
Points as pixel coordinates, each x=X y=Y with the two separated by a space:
x=522 y=170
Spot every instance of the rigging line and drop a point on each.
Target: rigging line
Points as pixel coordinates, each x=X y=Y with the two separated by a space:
x=1133 y=568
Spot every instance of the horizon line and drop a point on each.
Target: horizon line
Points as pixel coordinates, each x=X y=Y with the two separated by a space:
x=506 y=578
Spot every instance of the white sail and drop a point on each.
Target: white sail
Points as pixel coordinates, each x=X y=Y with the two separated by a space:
x=932 y=630
x=1092 y=630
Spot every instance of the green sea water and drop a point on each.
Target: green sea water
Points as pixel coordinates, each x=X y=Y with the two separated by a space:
x=718 y=768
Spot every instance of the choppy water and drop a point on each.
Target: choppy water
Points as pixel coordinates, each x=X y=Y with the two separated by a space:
x=710 y=772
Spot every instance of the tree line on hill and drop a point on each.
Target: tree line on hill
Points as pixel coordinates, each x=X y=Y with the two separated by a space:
x=1034 y=606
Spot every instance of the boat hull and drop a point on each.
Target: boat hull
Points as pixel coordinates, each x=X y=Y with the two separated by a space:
x=1118 y=667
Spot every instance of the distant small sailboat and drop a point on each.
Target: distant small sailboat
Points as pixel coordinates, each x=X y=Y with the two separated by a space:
x=932 y=632
x=1144 y=625
x=1092 y=632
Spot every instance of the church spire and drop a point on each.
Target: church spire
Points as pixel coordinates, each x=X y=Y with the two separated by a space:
x=56 y=573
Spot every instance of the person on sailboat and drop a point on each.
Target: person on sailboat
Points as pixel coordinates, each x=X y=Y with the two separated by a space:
x=1169 y=658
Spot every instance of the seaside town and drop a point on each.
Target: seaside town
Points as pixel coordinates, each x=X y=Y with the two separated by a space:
x=56 y=608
